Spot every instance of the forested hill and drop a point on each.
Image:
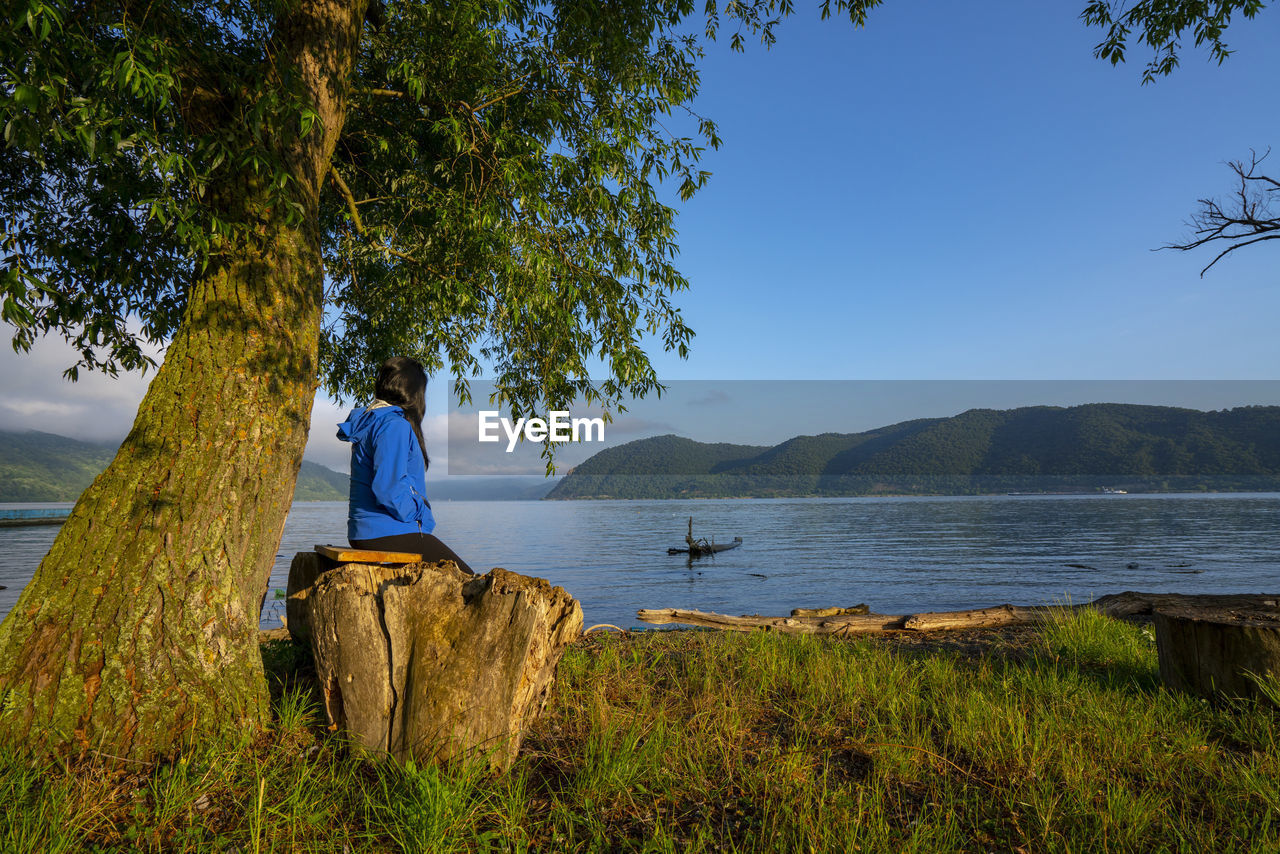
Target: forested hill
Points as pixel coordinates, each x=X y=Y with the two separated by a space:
x=44 y=467
x=1038 y=448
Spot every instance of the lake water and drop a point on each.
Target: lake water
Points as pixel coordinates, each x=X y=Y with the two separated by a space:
x=896 y=554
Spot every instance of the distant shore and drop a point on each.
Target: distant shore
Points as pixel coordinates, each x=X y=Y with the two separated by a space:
x=1130 y=493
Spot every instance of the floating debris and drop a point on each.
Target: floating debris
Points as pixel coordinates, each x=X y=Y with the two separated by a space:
x=701 y=546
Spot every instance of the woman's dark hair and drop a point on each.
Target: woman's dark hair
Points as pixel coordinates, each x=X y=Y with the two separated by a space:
x=402 y=382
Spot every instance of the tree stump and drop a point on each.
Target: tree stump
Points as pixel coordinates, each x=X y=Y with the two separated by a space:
x=1210 y=651
x=424 y=661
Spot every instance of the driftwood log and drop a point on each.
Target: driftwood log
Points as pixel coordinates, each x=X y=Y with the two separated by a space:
x=1126 y=604
x=425 y=661
x=862 y=608
x=1218 y=650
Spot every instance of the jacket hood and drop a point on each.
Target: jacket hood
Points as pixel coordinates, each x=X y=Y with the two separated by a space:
x=361 y=422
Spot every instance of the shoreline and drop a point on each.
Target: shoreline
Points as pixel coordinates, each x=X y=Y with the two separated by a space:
x=822 y=496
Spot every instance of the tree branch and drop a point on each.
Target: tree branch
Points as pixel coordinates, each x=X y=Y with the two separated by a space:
x=386 y=93
x=352 y=208
x=1233 y=248
x=1246 y=220
x=350 y=199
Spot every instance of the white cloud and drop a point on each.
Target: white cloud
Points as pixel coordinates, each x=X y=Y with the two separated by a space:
x=35 y=396
x=37 y=409
x=323 y=445
x=98 y=408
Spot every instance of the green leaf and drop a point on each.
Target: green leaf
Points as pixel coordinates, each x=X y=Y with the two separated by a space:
x=25 y=95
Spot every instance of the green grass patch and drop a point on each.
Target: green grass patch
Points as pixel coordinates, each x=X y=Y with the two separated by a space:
x=699 y=741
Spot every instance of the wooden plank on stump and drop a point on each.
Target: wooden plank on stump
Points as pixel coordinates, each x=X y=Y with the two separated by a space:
x=343 y=554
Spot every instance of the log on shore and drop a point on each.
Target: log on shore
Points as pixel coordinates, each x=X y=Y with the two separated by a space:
x=425 y=661
x=861 y=608
x=1118 y=605
x=848 y=624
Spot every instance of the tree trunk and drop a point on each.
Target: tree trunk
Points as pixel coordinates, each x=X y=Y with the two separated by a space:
x=424 y=661
x=138 y=630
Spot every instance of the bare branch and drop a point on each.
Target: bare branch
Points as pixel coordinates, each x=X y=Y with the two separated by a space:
x=1234 y=247
x=1246 y=220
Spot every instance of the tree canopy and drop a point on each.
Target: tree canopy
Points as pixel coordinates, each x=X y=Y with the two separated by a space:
x=494 y=193
x=1161 y=25
x=494 y=199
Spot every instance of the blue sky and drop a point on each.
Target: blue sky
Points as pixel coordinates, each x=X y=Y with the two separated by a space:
x=964 y=191
x=958 y=191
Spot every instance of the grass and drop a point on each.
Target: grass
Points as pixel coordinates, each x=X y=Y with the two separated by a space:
x=699 y=741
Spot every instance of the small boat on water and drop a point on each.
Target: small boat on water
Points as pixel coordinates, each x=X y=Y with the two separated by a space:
x=702 y=546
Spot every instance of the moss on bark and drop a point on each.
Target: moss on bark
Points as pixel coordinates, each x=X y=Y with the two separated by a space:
x=139 y=629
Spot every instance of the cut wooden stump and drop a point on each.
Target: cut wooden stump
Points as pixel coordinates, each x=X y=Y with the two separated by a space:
x=1217 y=651
x=426 y=661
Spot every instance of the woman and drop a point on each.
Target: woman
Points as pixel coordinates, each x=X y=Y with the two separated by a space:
x=389 y=510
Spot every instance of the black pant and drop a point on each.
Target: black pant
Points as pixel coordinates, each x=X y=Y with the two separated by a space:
x=427 y=545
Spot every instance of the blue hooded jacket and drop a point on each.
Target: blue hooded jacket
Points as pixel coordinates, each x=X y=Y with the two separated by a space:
x=388 y=477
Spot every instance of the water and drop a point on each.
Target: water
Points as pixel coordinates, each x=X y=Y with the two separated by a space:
x=19 y=513
x=899 y=555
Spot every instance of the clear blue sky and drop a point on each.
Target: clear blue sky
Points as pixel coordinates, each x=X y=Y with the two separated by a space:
x=959 y=191
x=964 y=191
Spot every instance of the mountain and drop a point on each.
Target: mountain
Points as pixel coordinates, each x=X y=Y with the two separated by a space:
x=320 y=483
x=44 y=467
x=1037 y=448
x=488 y=488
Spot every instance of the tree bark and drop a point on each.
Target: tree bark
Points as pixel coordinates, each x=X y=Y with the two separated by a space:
x=424 y=661
x=138 y=630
